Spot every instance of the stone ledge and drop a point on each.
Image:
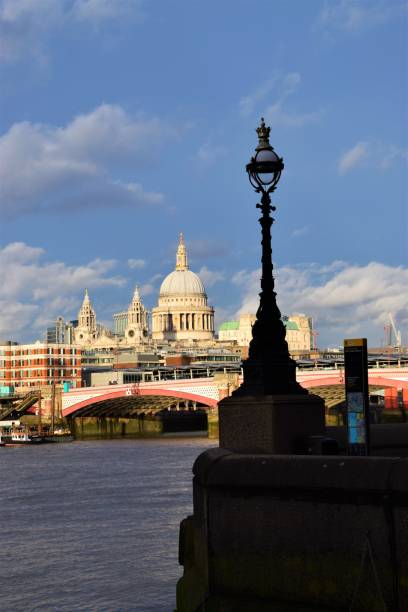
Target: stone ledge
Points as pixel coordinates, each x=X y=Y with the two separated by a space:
x=222 y=468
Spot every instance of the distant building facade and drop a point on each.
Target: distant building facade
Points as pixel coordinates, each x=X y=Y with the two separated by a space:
x=181 y=319
x=298 y=331
x=39 y=364
x=61 y=332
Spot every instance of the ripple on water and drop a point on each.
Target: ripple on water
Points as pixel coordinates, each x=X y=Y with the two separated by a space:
x=93 y=526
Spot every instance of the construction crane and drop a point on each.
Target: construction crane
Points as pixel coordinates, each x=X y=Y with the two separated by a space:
x=387 y=335
x=313 y=334
x=397 y=334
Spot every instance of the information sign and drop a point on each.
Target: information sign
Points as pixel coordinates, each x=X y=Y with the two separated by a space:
x=356 y=383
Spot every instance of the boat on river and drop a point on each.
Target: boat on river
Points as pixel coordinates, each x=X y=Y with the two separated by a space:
x=18 y=436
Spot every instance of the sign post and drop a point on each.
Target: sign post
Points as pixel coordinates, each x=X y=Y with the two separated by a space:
x=357 y=401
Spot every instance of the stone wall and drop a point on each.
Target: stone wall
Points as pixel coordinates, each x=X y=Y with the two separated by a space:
x=274 y=532
x=98 y=428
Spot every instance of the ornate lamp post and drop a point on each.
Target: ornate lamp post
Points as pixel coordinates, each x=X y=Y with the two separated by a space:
x=269 y=370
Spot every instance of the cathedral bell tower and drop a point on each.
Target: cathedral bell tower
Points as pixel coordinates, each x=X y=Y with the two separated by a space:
x=137 y=326
x=85 y=333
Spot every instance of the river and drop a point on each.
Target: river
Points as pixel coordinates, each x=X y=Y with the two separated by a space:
x=94 y=525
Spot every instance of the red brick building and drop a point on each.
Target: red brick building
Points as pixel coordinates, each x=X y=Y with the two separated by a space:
x=39 y=364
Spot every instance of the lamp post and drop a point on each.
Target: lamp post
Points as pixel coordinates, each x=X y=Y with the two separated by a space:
x=269 y=370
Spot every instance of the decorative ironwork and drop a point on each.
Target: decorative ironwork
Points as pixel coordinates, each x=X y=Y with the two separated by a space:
x=269 y=370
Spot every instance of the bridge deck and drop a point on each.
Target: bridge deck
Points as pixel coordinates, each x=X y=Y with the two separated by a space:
x=160 y=394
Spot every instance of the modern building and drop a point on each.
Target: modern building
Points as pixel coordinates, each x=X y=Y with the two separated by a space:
x=182 y=312
x=56 y=332
x=60 y=332
x=120 y=321
x=39 y=364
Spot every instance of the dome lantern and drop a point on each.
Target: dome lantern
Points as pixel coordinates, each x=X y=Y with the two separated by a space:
x=181 y=256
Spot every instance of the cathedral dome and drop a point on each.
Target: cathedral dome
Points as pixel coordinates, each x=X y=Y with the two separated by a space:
x=182 y=312
x=182 y=282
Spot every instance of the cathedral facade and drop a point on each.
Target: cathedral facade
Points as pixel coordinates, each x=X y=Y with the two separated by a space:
x=182 y=312
x=90 y=334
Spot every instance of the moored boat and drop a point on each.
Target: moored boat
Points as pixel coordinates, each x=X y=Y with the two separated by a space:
x=20 y=435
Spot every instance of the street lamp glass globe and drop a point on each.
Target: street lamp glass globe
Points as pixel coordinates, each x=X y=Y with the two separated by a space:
x=267 y=164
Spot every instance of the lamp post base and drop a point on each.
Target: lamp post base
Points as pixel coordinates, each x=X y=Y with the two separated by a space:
x=270 y=424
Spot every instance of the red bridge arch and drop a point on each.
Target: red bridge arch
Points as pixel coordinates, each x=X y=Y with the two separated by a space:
x=207 y=401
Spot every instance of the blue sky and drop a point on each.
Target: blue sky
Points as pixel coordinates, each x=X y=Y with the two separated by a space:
x=124 y=122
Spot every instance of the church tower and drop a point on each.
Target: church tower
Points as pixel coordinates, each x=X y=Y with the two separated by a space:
x=85 y=333
x=137 y=325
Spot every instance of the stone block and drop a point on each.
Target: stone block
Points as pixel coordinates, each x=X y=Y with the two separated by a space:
x=269 y=424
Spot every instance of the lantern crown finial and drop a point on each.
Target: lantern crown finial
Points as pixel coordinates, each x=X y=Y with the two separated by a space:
x=263 y=135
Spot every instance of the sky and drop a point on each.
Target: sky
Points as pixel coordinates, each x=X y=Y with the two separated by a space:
x=125 y=122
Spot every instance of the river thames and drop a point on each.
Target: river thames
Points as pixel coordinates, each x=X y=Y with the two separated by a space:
x=94 y=525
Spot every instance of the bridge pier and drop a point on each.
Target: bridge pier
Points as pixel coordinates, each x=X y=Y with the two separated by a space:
x=99 y=428
x=213 y=426
x=144 y=424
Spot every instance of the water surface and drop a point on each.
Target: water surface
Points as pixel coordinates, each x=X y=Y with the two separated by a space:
x=94 y=525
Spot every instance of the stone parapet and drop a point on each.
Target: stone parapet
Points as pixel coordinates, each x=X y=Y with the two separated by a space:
x=274 y=532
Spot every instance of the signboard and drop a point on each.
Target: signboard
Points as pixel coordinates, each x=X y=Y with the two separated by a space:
x=356 y=382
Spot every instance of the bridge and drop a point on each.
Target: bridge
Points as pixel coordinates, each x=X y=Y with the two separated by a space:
x=151 y=397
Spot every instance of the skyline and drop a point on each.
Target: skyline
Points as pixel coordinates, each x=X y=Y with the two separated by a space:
x=124 y=123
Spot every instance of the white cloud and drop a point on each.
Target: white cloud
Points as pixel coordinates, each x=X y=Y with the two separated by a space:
x=343 y=299
x=209 y=153
x=147 y=289
x=48 y=168
x=97 y=10
x=374 y=154
x=34 y=290
x=300 y=231
x=25 y=24
x=205 y=249
x=136 y=264
x=247 y=104
x=210 y=277
x=353 y=157
x=277 y=116
x=151 y=286
x=353 y=16
x=276 y=112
